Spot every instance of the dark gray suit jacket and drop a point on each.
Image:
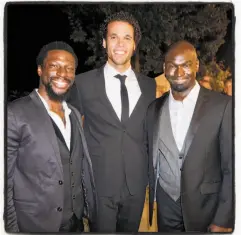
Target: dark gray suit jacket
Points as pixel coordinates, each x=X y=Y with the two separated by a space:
x=34 y=169
x=207 y=172
x=114 y=148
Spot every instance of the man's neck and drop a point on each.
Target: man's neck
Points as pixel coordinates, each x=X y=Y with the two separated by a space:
x=119 y=68
x=180 y=96
x=53 y=104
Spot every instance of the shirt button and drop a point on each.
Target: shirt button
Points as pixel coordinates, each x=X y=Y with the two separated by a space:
x=180 y=157
x=60 y=182
x=73 y=196
x=70 y=161
x=72 y=185
x=59 y=209
x=72 y=173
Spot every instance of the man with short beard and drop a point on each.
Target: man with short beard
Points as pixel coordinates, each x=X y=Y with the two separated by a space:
x=50 y=184
x=189 y=136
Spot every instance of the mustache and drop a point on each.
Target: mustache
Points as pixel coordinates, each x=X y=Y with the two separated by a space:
x=175 y=78
x=61 y=78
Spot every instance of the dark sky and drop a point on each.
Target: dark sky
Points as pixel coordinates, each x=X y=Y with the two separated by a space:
x=30 y=26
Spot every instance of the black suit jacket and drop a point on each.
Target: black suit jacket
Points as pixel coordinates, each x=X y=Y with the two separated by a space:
x=114 y=148
x=207 y=178
x=34 y=169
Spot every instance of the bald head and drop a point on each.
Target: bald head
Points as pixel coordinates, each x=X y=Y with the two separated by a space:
x=181 y=47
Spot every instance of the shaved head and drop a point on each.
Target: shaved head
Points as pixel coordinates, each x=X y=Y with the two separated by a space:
x=180 y=47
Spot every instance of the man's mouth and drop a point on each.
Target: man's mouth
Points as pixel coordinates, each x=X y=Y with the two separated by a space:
x=119 y=52
x=180 y=80
x=60 y=83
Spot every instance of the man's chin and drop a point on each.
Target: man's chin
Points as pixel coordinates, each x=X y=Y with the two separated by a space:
x=179 y=87
x=57 y=95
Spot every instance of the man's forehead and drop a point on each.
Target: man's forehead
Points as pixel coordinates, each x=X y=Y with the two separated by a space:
x=181 y=55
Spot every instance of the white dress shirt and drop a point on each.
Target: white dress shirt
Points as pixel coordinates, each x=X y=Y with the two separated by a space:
x=113 y=88
x=181 y=113
x=64 y=129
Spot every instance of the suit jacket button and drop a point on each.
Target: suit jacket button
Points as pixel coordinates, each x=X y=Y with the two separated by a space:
x=59 y=209
x=60 y=182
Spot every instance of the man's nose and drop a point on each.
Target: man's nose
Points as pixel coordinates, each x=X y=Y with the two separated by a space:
x=180 y=71
x=120 y=42
x=61 y=71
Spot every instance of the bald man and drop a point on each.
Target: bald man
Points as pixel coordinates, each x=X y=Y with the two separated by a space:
x=189 y=142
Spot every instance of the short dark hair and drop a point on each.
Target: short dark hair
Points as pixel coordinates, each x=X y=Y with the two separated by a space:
x=124 y=17
x=57 y=45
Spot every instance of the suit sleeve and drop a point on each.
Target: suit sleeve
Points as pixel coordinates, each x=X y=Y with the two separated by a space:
x=12 y=154
x=75 y=99
x=224 y=213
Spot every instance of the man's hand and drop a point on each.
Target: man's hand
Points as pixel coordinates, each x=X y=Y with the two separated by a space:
x=216 y=229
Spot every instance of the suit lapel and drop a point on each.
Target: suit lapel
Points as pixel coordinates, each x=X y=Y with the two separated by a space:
x=195 y=122
x=43 y=119
x=101 y=91
x=156 y=124
x=166 y=133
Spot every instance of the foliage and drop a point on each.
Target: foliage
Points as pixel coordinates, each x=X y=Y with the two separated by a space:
x=218 y=72
x=204 y=25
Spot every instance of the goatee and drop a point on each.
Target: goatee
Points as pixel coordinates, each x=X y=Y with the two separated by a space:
x=178 y=87
x=54 y=96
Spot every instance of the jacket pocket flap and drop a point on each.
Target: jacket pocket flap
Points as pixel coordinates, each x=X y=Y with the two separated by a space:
x=207 y=188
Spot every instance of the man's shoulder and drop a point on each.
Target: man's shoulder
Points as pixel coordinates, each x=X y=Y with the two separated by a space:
x=88 y=75
x=19 y=103
x=158 y=102
x=145 y=77
x=218 y=97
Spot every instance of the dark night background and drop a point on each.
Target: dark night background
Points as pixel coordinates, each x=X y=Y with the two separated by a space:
x=30 y=26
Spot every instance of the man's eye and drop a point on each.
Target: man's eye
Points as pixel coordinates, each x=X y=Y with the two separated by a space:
x=70 y=69
x=187 y=65
x=170 y=66
x=113 y=37
x=52 y=66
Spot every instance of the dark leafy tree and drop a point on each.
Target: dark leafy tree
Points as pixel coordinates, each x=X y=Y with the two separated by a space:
x=204 y=25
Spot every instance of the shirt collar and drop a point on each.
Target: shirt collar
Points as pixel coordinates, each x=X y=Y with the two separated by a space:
x=67 y=110
x=191 y=97
x=112 y=71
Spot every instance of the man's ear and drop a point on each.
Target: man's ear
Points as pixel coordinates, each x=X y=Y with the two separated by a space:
x=104 y=43
x=39 y=70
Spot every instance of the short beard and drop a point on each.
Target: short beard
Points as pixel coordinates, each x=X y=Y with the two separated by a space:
x=54 y=96
x=179 y=87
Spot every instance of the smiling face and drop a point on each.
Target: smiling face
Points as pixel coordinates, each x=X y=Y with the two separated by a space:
x=57 y=74
x=181 y=66
x=119 y=44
